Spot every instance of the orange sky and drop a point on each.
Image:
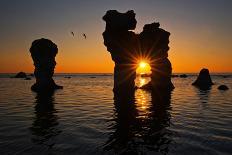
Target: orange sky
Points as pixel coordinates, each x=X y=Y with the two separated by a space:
x=200 y=37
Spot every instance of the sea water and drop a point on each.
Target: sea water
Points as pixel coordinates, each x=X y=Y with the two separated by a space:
x=86 y=118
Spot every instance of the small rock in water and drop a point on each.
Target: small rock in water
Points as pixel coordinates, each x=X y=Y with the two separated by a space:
x=223 y=87
x=183 y=76
x=225 y=76
x=67 y=77
x=174 y=75
x=203 y=80
x=20 y=75
x=27 y=78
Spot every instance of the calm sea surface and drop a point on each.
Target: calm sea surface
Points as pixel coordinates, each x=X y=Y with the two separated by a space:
x=85 y=118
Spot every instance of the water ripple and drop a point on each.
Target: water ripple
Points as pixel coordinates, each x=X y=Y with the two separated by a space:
x=84 y=118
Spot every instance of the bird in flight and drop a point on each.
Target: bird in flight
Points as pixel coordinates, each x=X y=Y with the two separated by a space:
x=84 y=35
x=72 y=33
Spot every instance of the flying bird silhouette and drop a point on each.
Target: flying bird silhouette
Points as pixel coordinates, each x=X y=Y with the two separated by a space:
x=84 y=35
x=72 y=33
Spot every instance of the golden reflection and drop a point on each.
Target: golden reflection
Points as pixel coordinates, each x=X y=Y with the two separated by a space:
x=142 y=102
x=140 y=81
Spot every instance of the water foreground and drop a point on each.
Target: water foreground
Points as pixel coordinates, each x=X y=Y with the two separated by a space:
x=85 y=118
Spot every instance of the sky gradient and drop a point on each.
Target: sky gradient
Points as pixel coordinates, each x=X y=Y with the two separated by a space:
x=201 y=32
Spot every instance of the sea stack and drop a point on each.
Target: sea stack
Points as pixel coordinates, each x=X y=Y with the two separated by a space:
x=121 y=43
x=126 y=48
x=43 y=52
x=203 y=80
x=154 y=46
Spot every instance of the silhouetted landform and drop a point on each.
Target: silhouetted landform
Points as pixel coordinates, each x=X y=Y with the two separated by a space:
x=203 y=80
x=223 y=87
x=43 y=52
x=20 y=75
x=27 y=78
x=154 y=46
x=183 y=76
x=92 y=77
x=126 y=48
x=174 y=75
x=68 y=77
x=121 y=43
x=225 y=76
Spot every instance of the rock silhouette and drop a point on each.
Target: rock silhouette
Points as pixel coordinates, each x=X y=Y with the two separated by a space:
x=183 y=76
x=20 y=75
x=223 y=87
x=121 y=43
x=127 y=48
x=27 y=78
x=203 y=80
x=174 y=76
x=154 y=46
x=43 y=52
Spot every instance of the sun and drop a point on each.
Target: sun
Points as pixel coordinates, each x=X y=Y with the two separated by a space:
x=143 y=68
x=142 y=64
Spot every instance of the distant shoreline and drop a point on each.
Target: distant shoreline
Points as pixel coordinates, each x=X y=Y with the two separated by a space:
x=188 y=73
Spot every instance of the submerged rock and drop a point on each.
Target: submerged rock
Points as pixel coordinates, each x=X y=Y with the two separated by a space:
x=174 y=75
x=43 y=52
x=20 y=75
x=183 y=76
x=27 y=78
x=203 y=80
x=223 y=87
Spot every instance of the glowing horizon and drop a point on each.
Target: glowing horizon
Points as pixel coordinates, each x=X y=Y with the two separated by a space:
x=199 y=39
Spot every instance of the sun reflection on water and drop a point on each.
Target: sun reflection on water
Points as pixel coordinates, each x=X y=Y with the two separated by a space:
x=140 y=81
x=143 y=101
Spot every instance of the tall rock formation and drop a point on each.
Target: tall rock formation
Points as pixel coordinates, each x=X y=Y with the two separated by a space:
x=43 y=52
x=122 y=45
x=127 y=48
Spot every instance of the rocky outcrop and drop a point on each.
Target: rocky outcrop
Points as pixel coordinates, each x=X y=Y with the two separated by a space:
x=127 y=48
x=43 y=52
x=223 y=87
x=154 y=47
x=203 y=80
x=183 y=76
x=20 y=75
x=121 y=43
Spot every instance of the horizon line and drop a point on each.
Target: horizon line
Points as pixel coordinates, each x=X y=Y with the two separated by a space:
x=108 y=72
